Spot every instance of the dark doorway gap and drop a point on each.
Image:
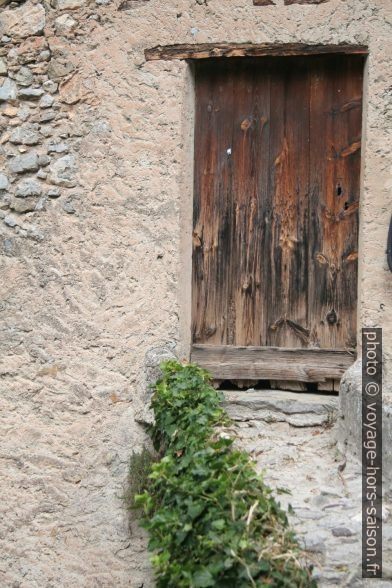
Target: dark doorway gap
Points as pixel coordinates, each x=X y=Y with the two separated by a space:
x=233 y=386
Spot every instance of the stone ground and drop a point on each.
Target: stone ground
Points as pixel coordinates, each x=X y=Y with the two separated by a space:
x=326 y=502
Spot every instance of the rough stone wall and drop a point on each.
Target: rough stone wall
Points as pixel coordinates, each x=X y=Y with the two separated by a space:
x=95 y=213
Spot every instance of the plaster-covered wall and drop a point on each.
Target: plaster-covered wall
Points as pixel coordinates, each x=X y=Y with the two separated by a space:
x=96 y=193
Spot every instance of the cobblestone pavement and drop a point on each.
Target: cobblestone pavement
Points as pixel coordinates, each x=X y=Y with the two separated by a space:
x=326 y=502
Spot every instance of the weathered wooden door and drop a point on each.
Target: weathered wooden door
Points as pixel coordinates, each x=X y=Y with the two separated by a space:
x=275 y=234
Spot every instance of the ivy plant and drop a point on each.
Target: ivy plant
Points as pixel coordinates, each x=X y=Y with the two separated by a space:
x=211 y=519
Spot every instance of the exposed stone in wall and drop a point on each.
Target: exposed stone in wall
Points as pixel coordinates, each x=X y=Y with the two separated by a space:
x=152 y=372
x=33 y=117
x=39 y=87
x=263 y=2
x=23 y=22
x=288 y=2
x=129 y=4
x=152 y=361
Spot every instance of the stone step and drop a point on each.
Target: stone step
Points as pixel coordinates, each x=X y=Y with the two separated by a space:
x=300 y=409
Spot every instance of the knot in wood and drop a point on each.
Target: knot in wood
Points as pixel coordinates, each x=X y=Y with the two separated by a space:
x=331 y=317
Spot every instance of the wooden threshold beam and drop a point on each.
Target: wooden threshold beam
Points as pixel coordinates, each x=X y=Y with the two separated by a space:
x=208 y=50
x=227 y=362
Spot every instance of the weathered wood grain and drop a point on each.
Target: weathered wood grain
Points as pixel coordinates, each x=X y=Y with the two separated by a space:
x=328 y=386
x=210 y=50
x=263 y=363
x=277 y=167
x=250 y=157
x=335 y=125
x=288 y=187
x=292 y=385
x=212 y=224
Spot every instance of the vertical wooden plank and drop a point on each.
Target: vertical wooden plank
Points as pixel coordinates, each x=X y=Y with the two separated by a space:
x=272 y=255
x=203 y=188
x=296 y=241
x=338 y=176
x=250 y=155
x=262 y=179
x=349 y=207
x=289 y=177
x=212 y=197
x=335 y=163
x=321 y=160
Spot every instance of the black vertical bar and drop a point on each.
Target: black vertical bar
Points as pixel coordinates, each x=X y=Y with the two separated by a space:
x=372 y=453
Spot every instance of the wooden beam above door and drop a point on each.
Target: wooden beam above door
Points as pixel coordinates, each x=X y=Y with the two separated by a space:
x=209 y=50
x=230 y=362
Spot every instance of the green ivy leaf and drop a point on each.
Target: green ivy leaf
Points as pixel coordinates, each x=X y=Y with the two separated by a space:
x=202 y=579
x=218 y=524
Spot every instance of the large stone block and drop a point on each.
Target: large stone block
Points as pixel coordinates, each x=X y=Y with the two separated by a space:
x=350 y=421
x=63 y=171
x=152 y=361
x=25 y=135
x=24 y=163
x=3 y=182
x=30 y=49
x=23 y=22
x=59 y=69
x=7 y=90
x=3 y=67
x=68 y=4
x=299 y=410
x=152 y=372
x=28 y=188
x=30 y=93
x=24 y=77
x=24 y=205
x=65 y=24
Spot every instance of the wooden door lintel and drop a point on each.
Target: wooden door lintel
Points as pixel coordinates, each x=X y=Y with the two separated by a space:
x=211 y=50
